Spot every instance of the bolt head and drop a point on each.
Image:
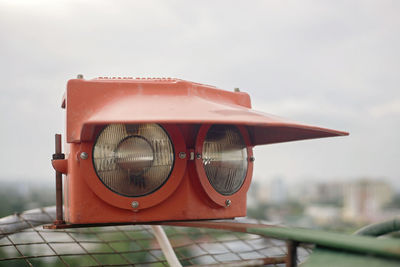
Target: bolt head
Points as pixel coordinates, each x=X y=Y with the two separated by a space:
x=228 y=202
x=182 y=155
x=135 y=204
x=84 y=155
x=252 y=159
x=198 y=156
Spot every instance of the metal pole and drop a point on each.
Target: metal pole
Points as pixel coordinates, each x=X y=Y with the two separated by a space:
x=59 y=197
x=291 y=253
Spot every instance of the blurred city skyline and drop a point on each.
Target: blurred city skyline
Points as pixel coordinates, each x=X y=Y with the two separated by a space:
x=332 y=64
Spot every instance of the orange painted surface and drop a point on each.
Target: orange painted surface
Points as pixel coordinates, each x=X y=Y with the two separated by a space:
x=183 y=109
x=173 y=101
x=181 y=198
x=60 y=165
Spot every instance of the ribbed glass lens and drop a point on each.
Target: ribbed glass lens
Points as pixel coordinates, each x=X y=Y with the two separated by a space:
x=225 y=158
x=133 y=159
x=134 y=154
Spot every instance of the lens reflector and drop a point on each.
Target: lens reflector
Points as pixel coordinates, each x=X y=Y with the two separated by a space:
x=134 y=154
x=225 y=158
x=133 y=159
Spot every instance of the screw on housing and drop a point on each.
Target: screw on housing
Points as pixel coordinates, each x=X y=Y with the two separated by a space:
x=228 y=202
x=252 y=159
x=84 y=155
x=182 y=155
x=135 y=204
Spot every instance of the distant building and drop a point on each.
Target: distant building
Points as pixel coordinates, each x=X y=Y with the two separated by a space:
x=273 y=192
x=278 y=191
x=329 y=193
x=323 y=214
x=365 y=199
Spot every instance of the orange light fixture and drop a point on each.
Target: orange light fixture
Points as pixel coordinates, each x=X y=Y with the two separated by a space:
x=145 y=150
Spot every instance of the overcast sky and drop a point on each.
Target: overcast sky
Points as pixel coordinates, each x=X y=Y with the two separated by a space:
x=328 y=63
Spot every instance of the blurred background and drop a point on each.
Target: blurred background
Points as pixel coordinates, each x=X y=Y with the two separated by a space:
x=333 y=64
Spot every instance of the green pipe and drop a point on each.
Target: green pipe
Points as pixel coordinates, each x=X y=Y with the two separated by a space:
x=352 y=243
x=382 y=228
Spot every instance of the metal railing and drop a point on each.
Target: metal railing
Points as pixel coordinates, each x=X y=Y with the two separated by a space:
x=24 y=241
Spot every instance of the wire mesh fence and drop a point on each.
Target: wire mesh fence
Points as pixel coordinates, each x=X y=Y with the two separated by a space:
x=23 y=241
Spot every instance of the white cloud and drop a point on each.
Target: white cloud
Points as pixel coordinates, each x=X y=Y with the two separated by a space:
x=333 y=64
x=391 y=108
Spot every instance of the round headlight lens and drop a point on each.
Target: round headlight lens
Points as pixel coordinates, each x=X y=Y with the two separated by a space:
x=225 y=158
x=133 y=159
x=134 y=154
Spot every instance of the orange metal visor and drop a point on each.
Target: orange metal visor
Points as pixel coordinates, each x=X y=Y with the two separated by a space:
x=101 y=102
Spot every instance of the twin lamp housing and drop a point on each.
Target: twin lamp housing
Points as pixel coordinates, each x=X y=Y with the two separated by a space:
x=160 y=149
